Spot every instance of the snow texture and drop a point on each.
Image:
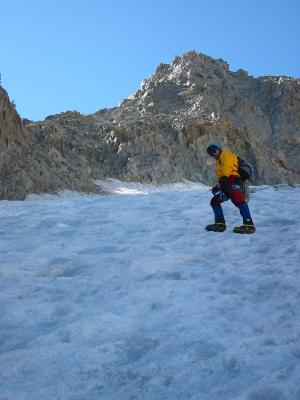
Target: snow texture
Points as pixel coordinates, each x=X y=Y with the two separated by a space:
x=128 y=297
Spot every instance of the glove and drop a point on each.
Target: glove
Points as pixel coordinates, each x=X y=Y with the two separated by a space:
x=215 y=189
x=224 y=184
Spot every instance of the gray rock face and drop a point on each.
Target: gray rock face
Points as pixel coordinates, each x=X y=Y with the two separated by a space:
x=14 y=181
x=160 y=133
x=31 y=162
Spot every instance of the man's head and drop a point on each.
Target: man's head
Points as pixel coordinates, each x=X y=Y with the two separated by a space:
x=214 y=150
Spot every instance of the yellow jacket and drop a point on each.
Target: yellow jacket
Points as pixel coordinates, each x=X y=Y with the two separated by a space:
x=227 y=164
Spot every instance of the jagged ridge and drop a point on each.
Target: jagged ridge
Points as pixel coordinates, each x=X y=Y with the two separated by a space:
x=159 y=134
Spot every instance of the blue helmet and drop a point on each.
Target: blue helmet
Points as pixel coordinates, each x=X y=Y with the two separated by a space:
x=212 y=147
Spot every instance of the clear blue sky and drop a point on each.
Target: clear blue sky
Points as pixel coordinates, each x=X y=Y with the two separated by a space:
x=83 y=55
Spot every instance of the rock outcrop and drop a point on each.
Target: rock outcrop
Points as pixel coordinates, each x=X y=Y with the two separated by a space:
x=30 y=164
x=14 y=181
x=160 y=133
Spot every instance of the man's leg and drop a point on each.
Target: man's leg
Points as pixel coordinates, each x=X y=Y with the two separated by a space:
x=217 y=209
x=219 y=225
x=245 y=213
x=238 y=200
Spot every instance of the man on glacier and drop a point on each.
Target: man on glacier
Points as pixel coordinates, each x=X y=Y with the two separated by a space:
x=228 y=187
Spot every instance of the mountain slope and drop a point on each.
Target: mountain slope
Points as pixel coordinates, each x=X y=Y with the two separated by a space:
x=196 y=99
x=28 y=164
x=160 y=133
x=128 y=297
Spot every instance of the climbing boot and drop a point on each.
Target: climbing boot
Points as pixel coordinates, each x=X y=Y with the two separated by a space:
x=247 y=228
x=216 y=227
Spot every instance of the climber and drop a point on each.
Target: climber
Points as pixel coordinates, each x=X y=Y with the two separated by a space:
x=228 y=187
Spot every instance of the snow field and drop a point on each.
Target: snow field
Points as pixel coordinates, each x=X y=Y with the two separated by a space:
x=128 y=297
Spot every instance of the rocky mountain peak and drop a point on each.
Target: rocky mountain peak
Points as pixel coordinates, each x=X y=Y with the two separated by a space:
x=190 y=69
x=187 y=87
x=192 y=72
